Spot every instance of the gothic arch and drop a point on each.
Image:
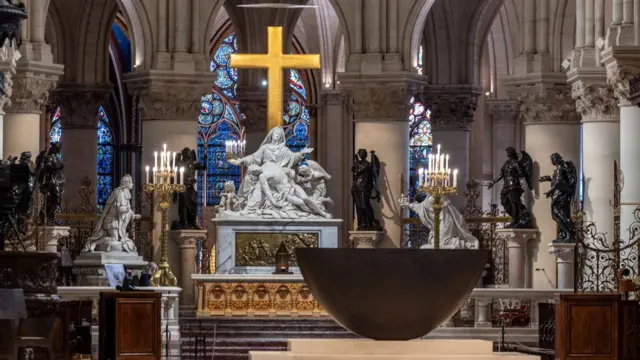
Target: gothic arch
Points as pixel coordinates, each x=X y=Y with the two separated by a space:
x=412 y=38
x=481 y=26
x=139 y=32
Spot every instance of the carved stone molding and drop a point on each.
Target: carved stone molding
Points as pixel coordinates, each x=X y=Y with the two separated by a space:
x=545 y=105
x=503 y=112
x=9 y=55
x=333 y=97
x=452 y=111
x=618 y=77
x=380 y=102
x=595 y=102
x=80 y=103
x=253 y=105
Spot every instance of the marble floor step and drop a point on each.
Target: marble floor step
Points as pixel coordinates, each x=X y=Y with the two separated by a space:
x=284 y=334
x=185 y=329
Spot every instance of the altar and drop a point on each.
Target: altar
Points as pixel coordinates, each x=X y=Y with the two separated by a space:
x=248 y=246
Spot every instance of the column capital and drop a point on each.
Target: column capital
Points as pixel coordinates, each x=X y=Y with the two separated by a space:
x=33 y=83
x=564 y=252
x=595 y=102
x=622 y=64
x=187 y=239
x=166 y=95
x=381 y=97
x=9 y=55
x=544 y=105
x=452 y=107
x=332 y=97
x=503 y=111
x=80 y=103
x=517 y=238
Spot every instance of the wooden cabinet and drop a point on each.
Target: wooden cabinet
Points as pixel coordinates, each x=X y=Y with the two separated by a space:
x=596 y=327
x=130 y=325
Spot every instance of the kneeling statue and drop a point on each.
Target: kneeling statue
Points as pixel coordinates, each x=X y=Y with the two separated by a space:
x=454 y=233
x=110 y=232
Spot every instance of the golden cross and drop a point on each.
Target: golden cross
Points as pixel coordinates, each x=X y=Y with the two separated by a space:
x=275 y=62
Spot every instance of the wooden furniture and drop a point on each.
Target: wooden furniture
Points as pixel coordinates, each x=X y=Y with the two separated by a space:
x=596 y=327
x=130 y=325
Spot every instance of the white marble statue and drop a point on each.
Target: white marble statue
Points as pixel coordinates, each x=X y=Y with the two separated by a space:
x=277 y=185
x=454 y=233
x=110 y=232
x=228 y=199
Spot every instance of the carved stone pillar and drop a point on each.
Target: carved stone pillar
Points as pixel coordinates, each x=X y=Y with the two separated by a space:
x=452 y=115
x=79 y=121
x=597 y=104
x=8 y=57
x=187 y=240
x=380 y=107
x=504 y=133
x=31 y=86
x=551 y=125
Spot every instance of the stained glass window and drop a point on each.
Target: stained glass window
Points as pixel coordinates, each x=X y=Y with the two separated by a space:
x=419 y=67
x=420 y=141
x=105 y=159
x=219 y=121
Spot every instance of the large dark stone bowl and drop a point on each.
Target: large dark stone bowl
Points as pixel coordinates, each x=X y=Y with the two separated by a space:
x=391 y=294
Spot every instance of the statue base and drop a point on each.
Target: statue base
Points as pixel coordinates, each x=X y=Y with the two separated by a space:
x=248 y=246
x=89 y=266
x=52 y=235
x=365 y=239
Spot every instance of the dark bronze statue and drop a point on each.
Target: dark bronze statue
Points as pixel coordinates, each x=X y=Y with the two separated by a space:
x=50 y=180
x=515 y=168
x=16 y=193
x=562 y=193
x=188 y=200
x=365 y=188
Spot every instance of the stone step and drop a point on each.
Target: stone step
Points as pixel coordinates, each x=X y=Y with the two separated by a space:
x=283 y=334
x=258 y=327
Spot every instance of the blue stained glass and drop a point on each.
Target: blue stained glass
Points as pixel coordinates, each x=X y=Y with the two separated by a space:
x=420 y=142
x=55 y=133
x=206 y=107
x=222 y=123
x=105 y=159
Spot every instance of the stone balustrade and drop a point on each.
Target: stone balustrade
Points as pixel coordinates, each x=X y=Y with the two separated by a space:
x=170 y=313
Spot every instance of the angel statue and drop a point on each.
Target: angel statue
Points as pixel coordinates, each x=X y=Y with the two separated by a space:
x=514 y=169
x=365 y=188
x=228 y=199
x=50 y=180
x=562 y=194
x=454 y=233
x=110 y=232
x=188 y=200
x=315 y=178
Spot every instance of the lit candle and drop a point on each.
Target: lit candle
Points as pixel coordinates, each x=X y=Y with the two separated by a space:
x=226 y=146
x=155 y=159
x=164 y=147
x=442 y=169
x=174 y=161
x=420 y=174
x=146 y=169
x=455 y=178
x=181 y=176
x=448 y=177
x=430 y=162
x=155 y=169
x=162 y=161
x=438 y=150
x=446 y=163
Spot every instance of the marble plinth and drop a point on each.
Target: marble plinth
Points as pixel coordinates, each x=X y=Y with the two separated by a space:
x=235 y=236
x=89 y=266
x=358 y=349
x=365 y=239
x=52 y=235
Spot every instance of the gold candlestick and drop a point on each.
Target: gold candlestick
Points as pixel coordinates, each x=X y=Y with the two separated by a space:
x=437 y=192
x=164 y=184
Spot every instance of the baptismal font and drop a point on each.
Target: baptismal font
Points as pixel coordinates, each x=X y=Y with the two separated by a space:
x=164 y=181
x=436 y=182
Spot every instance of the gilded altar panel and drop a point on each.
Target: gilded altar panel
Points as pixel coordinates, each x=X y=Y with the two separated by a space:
x=259 y=248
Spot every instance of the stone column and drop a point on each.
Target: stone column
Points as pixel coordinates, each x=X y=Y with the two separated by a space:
x=380 y=107
x=517 y=241
x=596 y=102
x=31 y=86
x=334 y=153
x=187 y=240
x=451 y=117
x=551 y=125
x=80 y=103
x=504 y=117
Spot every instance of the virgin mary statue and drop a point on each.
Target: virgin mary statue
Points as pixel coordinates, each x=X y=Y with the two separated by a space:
x=454 y=233
x=273 y=149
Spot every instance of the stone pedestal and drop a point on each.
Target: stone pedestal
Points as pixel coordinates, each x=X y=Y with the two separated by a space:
x=365 y=239
x=516 y=241
x=51 y=235
x=565 y=258
x=363 y=349
x=89 y=266
x=188 y=240
x=248 y=246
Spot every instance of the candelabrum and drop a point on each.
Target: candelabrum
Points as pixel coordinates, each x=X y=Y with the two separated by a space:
x=234 y=149
x=165 y=180
x=436 y=182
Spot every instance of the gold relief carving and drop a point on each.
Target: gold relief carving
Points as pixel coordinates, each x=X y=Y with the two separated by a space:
x=259 y=249
x=267 y=299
